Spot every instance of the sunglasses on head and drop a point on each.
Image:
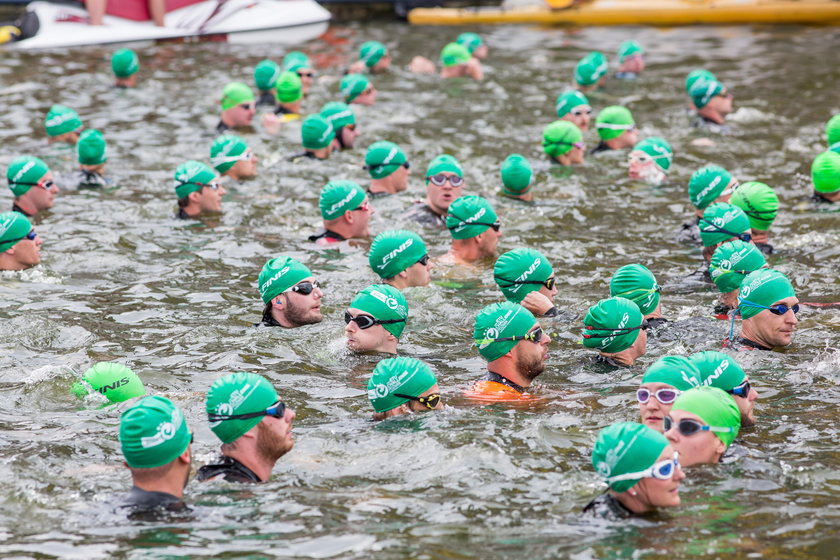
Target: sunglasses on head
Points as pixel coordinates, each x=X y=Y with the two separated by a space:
x=430 y=401
x=367 y=321
x=549 y=283
x=424 y=260
x=277 y=410
x=689 y=427
x=440 y=179
x=778 y=309
x=742 y=390
x=663 y=470
x=534 y=336
x=663 y=395
x=578 y=112
x=30 y=236
x=304 y=288
x=614 y=332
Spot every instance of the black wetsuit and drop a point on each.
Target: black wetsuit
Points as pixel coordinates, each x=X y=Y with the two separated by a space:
x=496 y=378
x=765 y=248
x=222 y=128
x=329 y=235
x=267 y=98
x=740 y=342
x=181 y=215
x=280 y=110
x=19 y=210
x=656 y=322
x=606 y=506
x=690 y=232
x=303 y=155
x=90 y=179
x=142 y=502
x=710 y=125
x=601 y=147
x=229 y=469
x=423 y=214
x=381 y=194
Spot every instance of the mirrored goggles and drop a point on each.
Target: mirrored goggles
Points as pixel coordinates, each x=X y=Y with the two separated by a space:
x=742 y=390
x=663 y=470
x=534 y=336
x=367 y=321
x=304 y=288
x=689 y=427
x=440 y=179
x=277 y=410
x=430 y=401
x=663 y=395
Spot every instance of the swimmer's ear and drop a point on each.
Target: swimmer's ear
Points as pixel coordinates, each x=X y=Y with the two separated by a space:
x=278 y=301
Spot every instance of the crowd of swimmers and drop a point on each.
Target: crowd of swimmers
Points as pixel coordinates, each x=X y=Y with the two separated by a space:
x=690 y=407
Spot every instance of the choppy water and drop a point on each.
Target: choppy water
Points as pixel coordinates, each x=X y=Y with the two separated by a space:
x=121 y=280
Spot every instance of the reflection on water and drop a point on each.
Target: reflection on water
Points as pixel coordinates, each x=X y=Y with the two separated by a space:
x=121 y=280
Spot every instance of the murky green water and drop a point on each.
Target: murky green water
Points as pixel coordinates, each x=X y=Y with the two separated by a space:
x=121 y=280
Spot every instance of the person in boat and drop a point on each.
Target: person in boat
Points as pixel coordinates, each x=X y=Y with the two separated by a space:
x=456 y=62
x=317 y=137
x=702 y=424
x=591 y=72
x=713 y=103
x=20 y=246
x=641 y=469
x=631 y=60
x=253 y=424
x=661 y=384
x=731 y=262
x=290 y=294
x=155 y=442
x=400 y=259
x=231 y=157
x=375 y=320
x=388 y=167
x=91 y=152
x=517 y=178
x=512 y=341
x=358 y=89
x=638 y=284
x=402 y=386
x=616 y=129
x=707 y=185
x=373 y=58
x=32 y=184
x=825 y=174
x=343 y=121
x=299 y=63
x=63 y=125
x=238 y=107
x=266 y=74
x=124 y=65
x=563 y=143
x=289 y=89
x=573 y=106
x=722 y=222
x=198 y=190
x=98 y=8
x=768 y=306
x=616 y=328
x=650 y=160
x=722 y=371
x=761 y=204
x=346 y=211
x=444 y=183
x=526 y=277
x=475 y=229
x=474 y=43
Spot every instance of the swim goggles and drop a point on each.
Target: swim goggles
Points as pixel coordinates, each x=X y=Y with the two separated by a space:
x=578 y=112
x=742 y=390
x=746 y=237
x=405 y=164
x=247 y=155
x=304 y=288
x=424 y=260
x=663 y=470
x=663 y=395
x=46 y=185
x=214 y=185
x=689 y=427
x=440 y=179
x=778 y=309
x=497 y=225
x=614 y=332
x=367 y=321
x=578 y=145
x=534 y=336
x=277 y=410
x=430 y=401
x=549 y=283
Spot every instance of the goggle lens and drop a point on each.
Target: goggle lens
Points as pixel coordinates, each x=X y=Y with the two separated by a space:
x=439 y=180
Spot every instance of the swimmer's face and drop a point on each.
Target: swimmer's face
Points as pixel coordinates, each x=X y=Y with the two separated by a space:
x=400 y=178
x=576 y=155
x=415 y=406
x=367 y=97
x=26 y=252
x=349 y=135
x=772 y=330
x=274 y=435
x=549 y=293
x=722 y=103
x=360 y=218
x=698 y=448
x=42 y=195
x=489 y=240
x=640 y=165
x=244 y=168
x=726 y=195
x=653 y=412
x=529 y=357
x=661 y=493
x=441 y=197
x=307 y=77
x=640 y=345
x=371 y=339
x=580 y=115
x=480 y=52
x=634 y=63
x=382 y=64
x=747 y=406
x=210 y=198
x=631 y=137
x=241 y=114
x=300 y=309
x=419 y=274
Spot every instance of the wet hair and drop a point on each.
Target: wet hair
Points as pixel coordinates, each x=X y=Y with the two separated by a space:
x=182 y=202
x=152 y=474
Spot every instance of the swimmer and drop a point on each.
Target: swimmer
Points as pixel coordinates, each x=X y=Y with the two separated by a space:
x=768 y=306
x=722 y=222
x=198 y=190
x=832 y=133
x=289 y=95
x=825 y=174
x=591 y=72
x=115 y=382
x=343 y=121
x=159 y=466
x=317 y=137
x=20 y=246
x=707 y=185
x=641 y=469
x=358 y=89
x=638 y=284
x=573 y=106
x=713 y=102
x=616 y=328
x=388 y=167
x=231 y=157
x=402 y=386
x=650 y=160
x=346 y=211
x=266 y=74
x=631 y=60
x=517 y=178
x=697 y=75
x=616 y=129
x=563 y=143
x=91 y=151
x=702 y=424
x=456 y=62
x=373 y=57
x=238 y=107
x=63 y=125
x=512 y=341
x=475 y=229
x=299 y=63
x=731 y=263
x=24 y=173
x=720 y=370
x=444 y=183
x=526 y=277
x=291 y=294
x=474 y=43
x=375 y=320
x=400 y=259
x=254 y=425
x=124 y=65
x=761 y=204
x=661 y=385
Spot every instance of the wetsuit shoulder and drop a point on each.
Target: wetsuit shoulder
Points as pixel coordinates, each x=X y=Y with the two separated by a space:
x=228 y=469
x=222 y=128
x=19 y=210
x=326 y=237
x=423 y=214
x=143 y=500
x=605 y=506
x=601 y=147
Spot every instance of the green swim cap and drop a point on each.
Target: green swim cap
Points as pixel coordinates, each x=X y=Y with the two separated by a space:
x=383 y=158
x=61 y=119
x=832 y=133
x=763 y=287
x=591 y=68
x=115 y=381
x=721 y=222
x=294 y=61
x=613 y=121
x=500 y=320
x=289 y=88
x=695 y=75
x=732 y=261
x=469 y=216
x=470 y=40
x=638 y=284
x=385 y=303
x=444 y=163
x=316 y=132
x=718 y=369
x=516 y=175
x=338 y=114
x=265 y=74
x=625 y=448
x=406 y=376
x=568 y=100
x=612 y=325
x=393 y=251
x=372 y=52
x=715 y=408
x=13 y=225
x=825 y=172
x=91 y=148
x=520 y=272
x=628 y=49
x=658 y=149
x=759 y=202
x=153 y=433
x=24 y=172
x=702 y=91
x=225 y=151
x=454 y=54
x=707 y=184
x=353 y=85
x=338 y=197
x=124 y=63
x=559 y=138
x=234 y=94
x=280 y=274
x=191 y=176
x=235 y=394
x=676 y=371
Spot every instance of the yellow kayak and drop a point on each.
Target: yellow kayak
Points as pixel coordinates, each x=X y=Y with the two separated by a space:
x=641 y=12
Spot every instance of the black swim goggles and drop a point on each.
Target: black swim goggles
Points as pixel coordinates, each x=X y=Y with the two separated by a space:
x=367 y=321
x=496 y=226
x=534 y=336
x=277 y=410
x=304 y=288
x=689 y=427
x=549 y=283
x=430 y=401
x=614 y=332
x=405 y=164
x=424 y=260
x=742 y=390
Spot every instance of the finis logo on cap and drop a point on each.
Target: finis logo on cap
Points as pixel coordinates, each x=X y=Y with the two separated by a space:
x=340 y=115
x=165 y=431
x=343 y=201
x=390 y=256
x=690 y=380
x=58 y=119
x=391 y=155
x=5 y=225
x=23 y=170
x=525 y=275
x=273 y=279
x=709 y=188
x=468 y=221
x=722 y=367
